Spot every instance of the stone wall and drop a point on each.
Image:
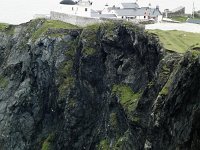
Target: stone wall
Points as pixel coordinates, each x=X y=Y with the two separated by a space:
x=76 y=20
x=84 y=21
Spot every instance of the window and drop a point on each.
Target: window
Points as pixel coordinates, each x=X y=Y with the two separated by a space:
x=85 y=9
x=72 y=8
x=144 y=16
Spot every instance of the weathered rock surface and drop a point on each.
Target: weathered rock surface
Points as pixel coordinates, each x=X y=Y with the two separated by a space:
x=108 y=86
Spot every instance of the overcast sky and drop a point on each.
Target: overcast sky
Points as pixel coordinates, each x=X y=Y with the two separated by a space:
x=18 y=11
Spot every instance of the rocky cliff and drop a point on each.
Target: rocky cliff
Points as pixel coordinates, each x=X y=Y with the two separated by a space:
x=108 y=86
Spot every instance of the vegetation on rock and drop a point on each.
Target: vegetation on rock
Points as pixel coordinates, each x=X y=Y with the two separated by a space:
x=89 y=39
x=47 y=144
x=127 y=98
x=3 y=26
x=103 y=145
x=51 y=24
x=122 y=142
x=3 y=82
x=165 y=89
x=113 y=120
x=65 y=74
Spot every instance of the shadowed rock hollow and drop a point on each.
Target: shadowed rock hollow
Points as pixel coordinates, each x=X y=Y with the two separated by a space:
x=106 y=86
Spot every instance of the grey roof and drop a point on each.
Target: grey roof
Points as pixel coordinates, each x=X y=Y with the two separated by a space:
x=193 y=21
x=125 y=12
x=153 y=12
x=84 y=3
x=130 y=5
x=67 y=2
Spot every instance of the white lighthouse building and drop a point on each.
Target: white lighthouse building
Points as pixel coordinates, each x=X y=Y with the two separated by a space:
x=81 y=8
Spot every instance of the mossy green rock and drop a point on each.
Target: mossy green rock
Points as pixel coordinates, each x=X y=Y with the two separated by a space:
x=47 y=144
x=127 y=98
x=3 y=82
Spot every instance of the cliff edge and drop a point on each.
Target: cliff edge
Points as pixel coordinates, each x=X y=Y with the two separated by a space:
x=105 y=86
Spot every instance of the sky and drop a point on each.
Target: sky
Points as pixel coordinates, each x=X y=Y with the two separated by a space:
x=19 y=11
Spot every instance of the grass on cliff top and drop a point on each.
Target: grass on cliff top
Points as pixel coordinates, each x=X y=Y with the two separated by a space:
x=3 y=26
x=52 y=24
x=177 y=41
x=180 y=18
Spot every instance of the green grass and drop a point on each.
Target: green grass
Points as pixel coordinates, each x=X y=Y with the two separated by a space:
x=113 y=120
x=72 y=46
x=120 y=142
x=123 y=142
x=3 y=26
x=67 y=80
x=3 y=82
x=71 y=103
x=52 y=24
x=128 y=99
x=65 y=72
x=180 y=18
x=195 y=53
x=89 y=51
x=89 y=35
x=103 y=145
x=165 y=89
x=48 y=142
x=94 y=26
x=177 y=41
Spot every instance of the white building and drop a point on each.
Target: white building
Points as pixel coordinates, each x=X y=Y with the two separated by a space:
x=133 y=11
x=80 y=8
x=127 y=11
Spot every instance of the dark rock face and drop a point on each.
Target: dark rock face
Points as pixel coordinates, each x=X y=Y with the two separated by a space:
x=106 y=86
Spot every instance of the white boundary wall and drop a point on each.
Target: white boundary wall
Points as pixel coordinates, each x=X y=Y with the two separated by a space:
x=84 y=21
x=73 y=19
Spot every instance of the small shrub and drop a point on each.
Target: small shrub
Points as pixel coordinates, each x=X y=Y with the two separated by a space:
x=3 y=82
x=113 y=120
x=3 y=26
x=89 y=51
x=165 y=89
x=48 y=142
x=103 y=145
x=122 y=142
x=71 y=103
